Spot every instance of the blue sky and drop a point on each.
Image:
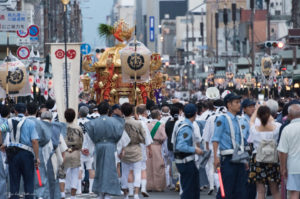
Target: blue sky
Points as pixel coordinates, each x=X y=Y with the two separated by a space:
x=94 y=12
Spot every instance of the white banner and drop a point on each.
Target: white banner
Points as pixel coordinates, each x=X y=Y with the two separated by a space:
x=59 y=76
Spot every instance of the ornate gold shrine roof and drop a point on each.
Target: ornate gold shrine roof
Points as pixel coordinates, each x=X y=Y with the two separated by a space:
x=116 y=59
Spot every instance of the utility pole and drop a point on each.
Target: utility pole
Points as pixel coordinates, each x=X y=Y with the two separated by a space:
x=187 y=37
x=233 y=8
x=268 y=23
x=193 y=37
x=252 y=36
x=225 y=21
x=202 y=36
x=217 y=27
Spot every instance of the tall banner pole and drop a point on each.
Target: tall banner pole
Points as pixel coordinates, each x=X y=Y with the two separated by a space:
x=7 y=60
x=66 y=58
x=135 y=46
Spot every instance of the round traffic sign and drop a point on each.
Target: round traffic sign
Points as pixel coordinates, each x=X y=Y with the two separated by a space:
x=59 y=54
x=23 y=52
x=23 y=33
x=34 y=30
x=85 y=49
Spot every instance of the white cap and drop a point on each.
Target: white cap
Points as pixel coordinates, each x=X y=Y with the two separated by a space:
x=226 y=92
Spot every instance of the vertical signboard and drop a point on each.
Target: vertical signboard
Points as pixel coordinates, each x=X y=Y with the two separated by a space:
x=151 y=29
x=59 y=81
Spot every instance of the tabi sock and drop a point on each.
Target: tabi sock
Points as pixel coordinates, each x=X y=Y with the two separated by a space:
x=73 y=197
x=101 y=196
x=107 y=197
x=62 y=194
x=144 y=184
x=130 y=187
x=78 y=187
x=91 y=180
x=136 y=196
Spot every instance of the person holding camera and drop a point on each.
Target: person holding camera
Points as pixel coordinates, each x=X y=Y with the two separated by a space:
x=264 y=166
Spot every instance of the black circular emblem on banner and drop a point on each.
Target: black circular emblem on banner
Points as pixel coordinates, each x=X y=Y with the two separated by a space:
x=16 y=77
x=139 y=61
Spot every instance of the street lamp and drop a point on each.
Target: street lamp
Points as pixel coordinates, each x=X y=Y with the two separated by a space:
x=65 y=3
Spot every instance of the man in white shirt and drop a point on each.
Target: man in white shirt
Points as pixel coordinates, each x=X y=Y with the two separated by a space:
x=165 y=114
x=87 y=154
x=141 y=112
x=289 y=151
x=207 y=135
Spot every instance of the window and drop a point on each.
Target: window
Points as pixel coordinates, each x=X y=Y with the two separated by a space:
x=272 y=5
x=277 y=12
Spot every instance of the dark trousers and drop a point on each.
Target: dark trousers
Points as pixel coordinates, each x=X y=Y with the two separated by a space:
x=189 y=180
x=21 y=164
x=234 y=176
x=251 y=189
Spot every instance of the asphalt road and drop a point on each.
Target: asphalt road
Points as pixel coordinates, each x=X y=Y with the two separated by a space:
x=162 y=195
x=159 y=195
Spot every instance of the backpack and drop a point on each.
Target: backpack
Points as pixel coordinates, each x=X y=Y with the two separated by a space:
x=267 y=152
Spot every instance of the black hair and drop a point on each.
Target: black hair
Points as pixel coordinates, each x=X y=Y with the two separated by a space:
x=32 y=108
x=70 y=115
x=5 y=111
x=103 y=108
x=127 y=109
x=155 y=107
x=175 y=112
x=210 y=105
x=264 y=113
x=218 y=102
x=179 y=105
x=188 y=116
x=149 y=104
x=43 y=106
x=50 y=103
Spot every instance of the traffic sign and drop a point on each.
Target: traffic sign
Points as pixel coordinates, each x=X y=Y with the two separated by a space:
x=34 y=39
x=13 y=20
x=23 y=33
x=23 y=52
x=22 y=41
x=34 y=30
x=85 y=49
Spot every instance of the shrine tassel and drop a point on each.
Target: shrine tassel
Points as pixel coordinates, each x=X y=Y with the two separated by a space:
x=221 y=183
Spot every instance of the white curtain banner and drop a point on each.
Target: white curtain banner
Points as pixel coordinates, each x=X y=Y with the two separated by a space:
x=59 y=76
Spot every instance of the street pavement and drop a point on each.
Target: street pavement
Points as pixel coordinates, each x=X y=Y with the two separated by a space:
x=162 y=195
x=159 y=195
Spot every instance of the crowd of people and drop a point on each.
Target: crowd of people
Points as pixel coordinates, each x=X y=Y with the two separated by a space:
x=112 y=150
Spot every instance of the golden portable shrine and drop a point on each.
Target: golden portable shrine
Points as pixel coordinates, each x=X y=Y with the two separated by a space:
x=125 y=70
